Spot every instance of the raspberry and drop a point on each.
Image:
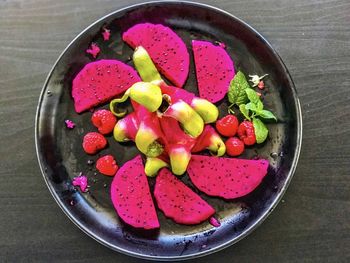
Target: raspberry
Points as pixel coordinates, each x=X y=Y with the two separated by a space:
x=227 y=126
x=94 y=142
x=107 y=165
x=104 y=121
x=246 y=133
x=234 y=146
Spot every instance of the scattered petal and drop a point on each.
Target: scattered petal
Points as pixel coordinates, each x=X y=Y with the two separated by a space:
x=81 y=181
x=106 y=34
x=94 y=50
x=69 y=124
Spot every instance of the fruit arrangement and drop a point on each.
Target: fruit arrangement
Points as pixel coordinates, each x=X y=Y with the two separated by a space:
x=176 y=132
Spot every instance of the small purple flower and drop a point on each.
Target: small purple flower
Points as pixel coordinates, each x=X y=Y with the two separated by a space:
x=69 y=124
x=256 y=79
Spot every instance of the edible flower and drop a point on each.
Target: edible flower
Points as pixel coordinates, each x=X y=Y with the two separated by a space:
x=256 y=79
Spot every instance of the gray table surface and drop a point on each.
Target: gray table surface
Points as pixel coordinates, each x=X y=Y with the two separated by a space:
x=312 y=224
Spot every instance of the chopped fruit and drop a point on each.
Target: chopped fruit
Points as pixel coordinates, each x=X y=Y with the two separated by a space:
x=234 y=146
x=178 y=144
x=190 y=120
x=144 y=93
x=211 y=140
x=126 y=128
x=107 y=165
x=178 y=201
x=153 y=165
x=246 y=133
x=167 y=50
x=131 y=196
x=148 y=72
x=100 y=81
x=104 y=120
x=169 y=125
x=94 y=142
x=226 y=177
x=227 y=126
x=148 y=133
x=214 y=70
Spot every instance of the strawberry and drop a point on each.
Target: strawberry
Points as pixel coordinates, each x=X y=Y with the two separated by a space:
x=104 y=121
x=94 y=142
x=107 y=165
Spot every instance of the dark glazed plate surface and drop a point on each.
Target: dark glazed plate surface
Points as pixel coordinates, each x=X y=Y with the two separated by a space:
x=61 y=156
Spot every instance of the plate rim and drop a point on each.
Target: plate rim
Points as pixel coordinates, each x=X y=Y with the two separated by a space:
x=259 y=220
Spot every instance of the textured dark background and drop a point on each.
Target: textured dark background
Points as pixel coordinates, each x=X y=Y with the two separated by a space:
x=311 y=224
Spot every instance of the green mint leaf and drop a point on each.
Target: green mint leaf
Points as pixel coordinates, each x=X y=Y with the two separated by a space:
x=260 y=129
x=252 y=96
x=251 y=106
x=266 y=114
x=243 y=109
x=236 y=93
x=259 y=105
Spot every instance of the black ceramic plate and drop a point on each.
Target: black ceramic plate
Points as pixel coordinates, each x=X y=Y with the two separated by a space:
x=61 y=156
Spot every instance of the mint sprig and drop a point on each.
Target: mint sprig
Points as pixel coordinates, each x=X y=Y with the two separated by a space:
x=250 y=105
x=236 y=92
x=260 y=130
x=243 y=109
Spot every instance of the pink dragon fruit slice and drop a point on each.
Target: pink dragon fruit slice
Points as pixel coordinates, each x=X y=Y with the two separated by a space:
x=226 y=177
x=100 y=81
x=131 y=196
x=214 y=70
x=178 y=201
x=166 y=48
